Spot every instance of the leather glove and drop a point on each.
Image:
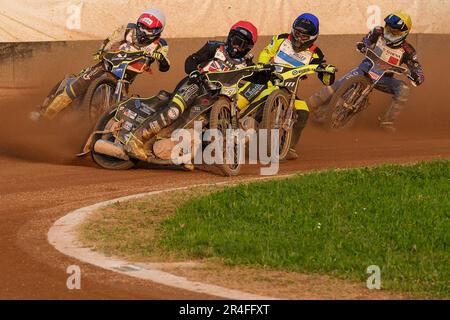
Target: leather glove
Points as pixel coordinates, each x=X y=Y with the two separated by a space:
x=361 y=47
x=195 y=76
x=417 y=79
x=328 y=68
x=98 y=55
x=157 y=56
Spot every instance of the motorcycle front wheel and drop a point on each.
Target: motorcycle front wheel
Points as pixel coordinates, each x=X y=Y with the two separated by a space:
x=221 y=119
x=99 y=97
x=274 y=117
x=343 y=107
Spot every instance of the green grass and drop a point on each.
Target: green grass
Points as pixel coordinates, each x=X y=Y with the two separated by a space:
x=335 y=222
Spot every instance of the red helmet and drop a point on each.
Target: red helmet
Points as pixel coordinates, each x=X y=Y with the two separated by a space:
x=241 y=39
x=150 y=25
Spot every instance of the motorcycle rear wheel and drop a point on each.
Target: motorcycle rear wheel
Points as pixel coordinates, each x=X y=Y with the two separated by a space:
x=106 y=161
x=341 y=116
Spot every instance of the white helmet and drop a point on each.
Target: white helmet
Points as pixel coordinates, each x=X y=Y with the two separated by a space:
x=150 y=25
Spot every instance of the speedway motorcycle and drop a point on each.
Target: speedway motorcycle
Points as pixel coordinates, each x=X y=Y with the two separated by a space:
x=353 y=96
x=121 y=68
x=279 y=109
x=215 y=108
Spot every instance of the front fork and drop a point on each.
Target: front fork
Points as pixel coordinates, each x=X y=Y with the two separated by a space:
x=118 y=91
x=289 y=117
x=360 y=101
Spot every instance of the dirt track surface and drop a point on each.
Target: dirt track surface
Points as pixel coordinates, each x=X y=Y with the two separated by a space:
x=40 y=181
x=35 y=193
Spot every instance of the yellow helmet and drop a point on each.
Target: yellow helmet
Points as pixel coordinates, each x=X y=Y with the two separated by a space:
x=398 y=26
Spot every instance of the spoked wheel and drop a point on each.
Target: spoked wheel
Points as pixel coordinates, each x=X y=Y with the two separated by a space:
x=221 y=119
x=275 y=118
x=346 y=103
x=99 y=97
x=106 y=122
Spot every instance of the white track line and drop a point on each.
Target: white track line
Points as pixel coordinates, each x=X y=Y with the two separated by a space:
x=63 y=236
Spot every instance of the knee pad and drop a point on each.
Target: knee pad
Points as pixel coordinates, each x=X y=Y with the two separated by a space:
x=403 y=94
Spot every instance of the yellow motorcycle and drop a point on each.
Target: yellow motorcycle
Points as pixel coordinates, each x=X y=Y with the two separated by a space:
x=279 y=110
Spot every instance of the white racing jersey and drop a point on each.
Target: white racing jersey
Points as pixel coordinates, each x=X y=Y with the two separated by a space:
x=393 y=56
x=287 y=56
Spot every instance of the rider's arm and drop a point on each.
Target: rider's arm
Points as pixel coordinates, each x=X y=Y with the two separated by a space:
x=412 y=62
x=319 y=58
x=372 y=37
x=114 y=40
x=271 y=50
x=164 y=63
x=206 y=53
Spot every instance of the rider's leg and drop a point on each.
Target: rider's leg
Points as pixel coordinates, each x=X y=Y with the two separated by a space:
x=318 y=102
x=58 y=103
x=72 y=90
x=162 y=119
x=302 y=111
x=400 y=92
x=165 y=116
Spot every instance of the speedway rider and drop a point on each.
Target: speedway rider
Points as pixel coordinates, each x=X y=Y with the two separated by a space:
x=214 y=56
x=390 y=44
x=145 y=36
x=294 y=50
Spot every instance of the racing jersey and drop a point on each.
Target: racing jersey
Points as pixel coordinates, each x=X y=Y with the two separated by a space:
x=213 y=57
x=402 y=54
x=125 y=39
x=281 y=51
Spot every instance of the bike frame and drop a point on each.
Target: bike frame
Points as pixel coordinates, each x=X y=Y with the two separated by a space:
x=120 y=62
x=231 y=90
x=378 y=70
x=288 y=78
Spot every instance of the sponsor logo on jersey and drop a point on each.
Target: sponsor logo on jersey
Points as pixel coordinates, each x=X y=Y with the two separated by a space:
x=130 y=114
x=173 y=113
x=128 y=126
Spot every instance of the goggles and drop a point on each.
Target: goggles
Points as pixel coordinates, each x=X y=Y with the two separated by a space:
x=394 y=32
x=240 y=42
x=396 y=23
x=299 y=35
x=149 y=32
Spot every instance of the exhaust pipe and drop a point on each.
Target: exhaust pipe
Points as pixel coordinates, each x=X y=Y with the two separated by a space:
x=110 y=149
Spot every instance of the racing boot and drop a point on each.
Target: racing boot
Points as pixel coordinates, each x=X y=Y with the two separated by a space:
x=318 y=104
x=151 y=128
x=135 y=147
x=59 y=103
x=302 y=119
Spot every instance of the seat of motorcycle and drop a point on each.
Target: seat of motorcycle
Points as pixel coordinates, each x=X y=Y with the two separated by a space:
x=164 y=95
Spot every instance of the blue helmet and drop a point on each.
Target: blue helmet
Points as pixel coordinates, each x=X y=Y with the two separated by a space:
x=305 y=31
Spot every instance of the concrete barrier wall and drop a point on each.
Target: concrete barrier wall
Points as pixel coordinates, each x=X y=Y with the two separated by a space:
x=61 y=20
